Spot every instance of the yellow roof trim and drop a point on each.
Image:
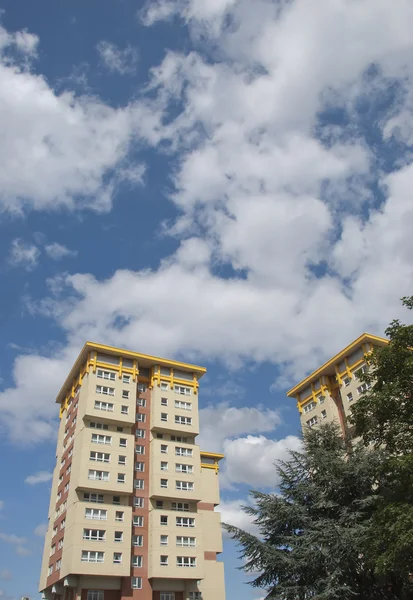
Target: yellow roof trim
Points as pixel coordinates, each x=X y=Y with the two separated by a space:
x=364 y=337
x=212 y=455
x=128 y=353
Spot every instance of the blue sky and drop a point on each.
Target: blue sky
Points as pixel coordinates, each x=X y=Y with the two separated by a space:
x=225 y=182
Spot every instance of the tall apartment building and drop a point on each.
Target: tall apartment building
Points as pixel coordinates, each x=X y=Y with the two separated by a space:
x=328 y=393
x=132 y=503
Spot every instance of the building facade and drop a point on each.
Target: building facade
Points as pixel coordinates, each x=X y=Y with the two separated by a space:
x=133 y=496
x=328 y=393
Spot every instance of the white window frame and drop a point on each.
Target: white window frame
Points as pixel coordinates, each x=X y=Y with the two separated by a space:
x=185 y=541
x=140 y=433
x=121 y=444
x=181 y=404
x=125 y=394
x=137 y=520
x=137 y=539
x=188 y=522
x=183 y=390
x=180 y=506
x=99 y=514
x=163 y=560
x=117 y=561
x=136 y=583
x=126 y=378
x=140 y=418
x=163 y=446
x=179 y=451
x=141 y=450
x=94 y=535
x=124 y=410
x=137 y=561
x=141 y=402
x=103 y=457
x=95 y=475
x=164 y=486
x=105 y=390
x=163 y=520
x=102 y=405
x=181 y=420
x=186 y=561
x=140 y=466
x=92 y=556
x=95 y=595
x=109 y=375
x=118 y=537
x=100 y=438
x=139 y=501
x=313 y=421
x=309 y=407
x=139 y=484
x=163 y=540
x=185 y=486
x=121 y=478
x=183 y=468
x=119 y=516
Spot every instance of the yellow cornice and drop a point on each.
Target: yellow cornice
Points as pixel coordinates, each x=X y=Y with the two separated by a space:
x=365 y=337
x=146 y=359
x=212 y=455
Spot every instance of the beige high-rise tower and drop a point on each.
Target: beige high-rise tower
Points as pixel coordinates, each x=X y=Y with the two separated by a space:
x=132 y=503
x=328 y=393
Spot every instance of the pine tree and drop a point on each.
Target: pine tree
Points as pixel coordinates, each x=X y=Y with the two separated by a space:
x=314 y=534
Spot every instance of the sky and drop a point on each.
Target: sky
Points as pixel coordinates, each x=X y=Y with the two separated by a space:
x=224 y=182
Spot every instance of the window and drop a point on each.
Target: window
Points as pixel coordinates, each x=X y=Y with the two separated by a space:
x=121 y=478
x=142 y=387
x=138 y=521
x=350 y=397
x=103 y=389
x=164 y=416
x=359 y=372
x=363 y=388
x=195 y=595
x=164 y=386
x=136 y=583
x=159 y=504
x=164 y=401
x=183 y=420
x=118 y=537
x=125 y=378
x=313 y=421
x=123 y=442
x=309 y=407
x=101 y=439
x=50 y=570
x=95 y=535
x=180 y=468
x=321 y=399
x=140 y=466
x=185 y=541
x=141 y=402
x=140 y=449
x=58 y=564
x=185 y=522
x=139 y=484
x=117 y=558
x=124 y=409
x=164 y=540
x=346 y=381
x=164 y=560
x=163 y=520
x=95 y=595
x=181 y=389
x=115 y=499
x=52 y=550
x=183 y=506
x=185 y=486
x=140 y=433
x=159 y=436
x=137 y=561
x=92 y=556
x=119 y=515
x=164 y=483
x=121 y=460
x=185 y=561
x=119 y=429
x=183 y=451
x=96 y=513
x=94 y=425
x=183 y=405
x=125 y=394
x=60 y=544
x=106 y=375
x=138 y=501
x=54 y=531
x=140 y=418
x=98 y=475
x=137 y=540
x=167 y=596
x=164 y=449
x=99 y=456
x=164 y=465
x=103 y=405
x=323 y=414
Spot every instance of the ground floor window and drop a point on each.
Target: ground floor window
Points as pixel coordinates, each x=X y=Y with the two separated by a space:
x=95 y=595
x=167 y=595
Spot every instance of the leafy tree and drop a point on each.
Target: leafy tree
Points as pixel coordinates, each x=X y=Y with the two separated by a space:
x=314 y=534
x=383 y=418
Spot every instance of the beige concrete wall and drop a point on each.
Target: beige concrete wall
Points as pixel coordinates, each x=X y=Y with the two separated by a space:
x=329 y=406
x=210 y=486
x=351 y=389
x=171 y=411
x=211 y=523
x=156 y=474
x=213 y=584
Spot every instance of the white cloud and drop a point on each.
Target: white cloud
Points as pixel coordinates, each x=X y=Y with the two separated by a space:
x=39 y=477
x=62 y=150
x=232 y=514
x=23 y=254
x=5 y=575
x=18 y=542
x=118 y=60
x=40 y=530
x=57 y=251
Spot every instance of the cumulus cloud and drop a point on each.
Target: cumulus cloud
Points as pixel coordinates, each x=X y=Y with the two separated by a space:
x=39 y=477
x=117 y=60
x=23 y=254
x=57 y=251
x=40 y=530
x=5 y=575
x=232 y=514
x=18 y=542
